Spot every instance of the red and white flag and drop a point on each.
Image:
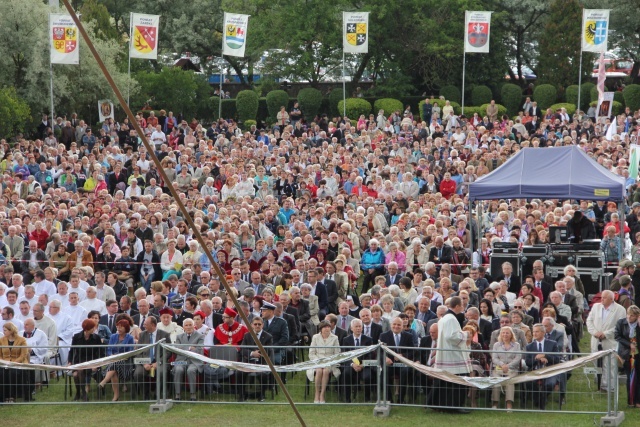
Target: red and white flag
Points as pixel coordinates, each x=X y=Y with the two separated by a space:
x=602 y=76
x=143 y=40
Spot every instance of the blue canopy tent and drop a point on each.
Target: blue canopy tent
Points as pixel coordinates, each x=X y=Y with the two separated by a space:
x=551 y=173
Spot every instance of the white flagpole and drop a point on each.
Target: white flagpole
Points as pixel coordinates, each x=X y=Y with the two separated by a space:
x=464 y=68
x=130 y=40
x=220 y=93
x=579 y=83
x=344 y=83
x=51 y=88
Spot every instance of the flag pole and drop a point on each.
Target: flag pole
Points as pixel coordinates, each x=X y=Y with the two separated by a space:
x=344 y=83
x=464 y=68
x=129 y=72
x=579 y=83
x=221 y=62
x=51 y=87
x=220 y=91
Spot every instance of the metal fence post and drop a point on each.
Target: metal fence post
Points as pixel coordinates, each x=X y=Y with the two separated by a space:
x=164 y=376
x=616 y=390
x=159 y=368
x=384 y=377
x=609 y=384
x=378 y=380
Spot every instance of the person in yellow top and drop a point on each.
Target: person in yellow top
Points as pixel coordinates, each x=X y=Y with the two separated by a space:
x=90 y=184
x=14 y=349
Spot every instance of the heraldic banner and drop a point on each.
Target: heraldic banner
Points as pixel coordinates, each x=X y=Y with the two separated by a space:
x=105 y=109
x=355 y=37
x=235 y=34
x=595 y=30
x=477 y=29
x=64 y=39
x=143 y=41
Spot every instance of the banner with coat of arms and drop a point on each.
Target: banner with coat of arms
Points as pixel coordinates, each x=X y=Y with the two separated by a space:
x=356 y=32
x=64 y=39
x=235 y=34
x=143 y=39
x=477 y=29
x=595 y=30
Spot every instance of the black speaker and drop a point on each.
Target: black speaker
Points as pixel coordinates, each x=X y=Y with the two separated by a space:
x=531 y=254
x=589 y=261
x=591 y=287
x=498 y=259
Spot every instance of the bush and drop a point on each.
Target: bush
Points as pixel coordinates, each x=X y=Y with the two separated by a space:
x=275 y=100
x=511 y=96
x=585 y=94
x=481 y=94
x=389 y=105
x=310 y=100
x=451 y=93
x=571 y=108
x=355 y=107
x=571 y=94
x=247 y=105
x=482 y=110
x=593 y=93
x=545 y=95
x=632 y=97
x=247 y=124
x=618 y=108
x=335 y=96
x=619 y=97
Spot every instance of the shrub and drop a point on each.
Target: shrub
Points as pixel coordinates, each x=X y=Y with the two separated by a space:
x=481 y=94
x=571 y=94
x=482 y=110
x=335 y=96
x=571 y=108
x=248 y=123
x=275 y=100
x=310 y=100
x=247 y=105
x=619 y=97
x=617 y=107
x=632 y=97
x=585 y=95
x=469 y=111
x=451 y=93
x=545 y=95
x=511 y=96
x=355 y=107
x=389 y=105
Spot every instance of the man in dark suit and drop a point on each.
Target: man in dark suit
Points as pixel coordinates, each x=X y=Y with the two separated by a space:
x=485 y=326
x=400 y=342
x=251 y=354
x=332 y=294
x=32 y=260
x=109 y=319
x=354 y=372
x=424 y=313
x=392 y=277
x=290 y=314
x=276 y=327
x=369 y=328
x=535 y=111
x=140 y=318
x=440 y=253
x=512 y=279
x=125 y=306
x=336 y=330
x=538 y=282
x=150 y=335
x=538 y=356
x=319 y=290
x=179 y=315
x=256 y=283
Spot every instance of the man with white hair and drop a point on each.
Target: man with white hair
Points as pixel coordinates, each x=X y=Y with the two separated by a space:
x=93 y=303
x=601 y=324
x=556 y=298
x=64 y=328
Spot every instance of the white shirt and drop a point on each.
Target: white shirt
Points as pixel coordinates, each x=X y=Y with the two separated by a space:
x=77 y=314
x=158 y=137
x=63 y=326
x=45 y=287
x=37 y=343
x=94 y=304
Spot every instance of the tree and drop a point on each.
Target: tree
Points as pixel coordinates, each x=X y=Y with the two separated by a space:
x=24 y=62
x=626 y=37
x=560 y=45
x=14 y=113
x=522 y=29
x=171 y=89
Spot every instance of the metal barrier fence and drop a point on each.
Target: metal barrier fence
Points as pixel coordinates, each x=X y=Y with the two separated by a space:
x=373 y=377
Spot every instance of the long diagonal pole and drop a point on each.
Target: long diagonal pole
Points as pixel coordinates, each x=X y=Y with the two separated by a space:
x=176 y=197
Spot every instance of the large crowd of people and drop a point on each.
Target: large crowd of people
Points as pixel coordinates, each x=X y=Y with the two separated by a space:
x=331 y=232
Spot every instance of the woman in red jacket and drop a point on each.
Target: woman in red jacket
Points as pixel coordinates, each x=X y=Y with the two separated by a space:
x=447 y=186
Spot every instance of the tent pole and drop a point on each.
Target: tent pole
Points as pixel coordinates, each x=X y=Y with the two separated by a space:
x=621 y=213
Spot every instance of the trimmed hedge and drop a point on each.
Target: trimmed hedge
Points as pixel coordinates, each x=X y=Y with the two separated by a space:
x=389 y=105
x=275 y=100
x=248 y=123
x=618 y=108
x=545 y=95
x=335 y=96
x=247 y=105
x=631 y=95
x=355 y=107
x=585 y=95
x=480 y=95
x=571 y=94
x=451 y=93
x=229 y=110
x=571 y=108
x=310 y=101
x=511 y=96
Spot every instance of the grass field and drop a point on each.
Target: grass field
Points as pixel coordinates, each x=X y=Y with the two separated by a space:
x=230 y=414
